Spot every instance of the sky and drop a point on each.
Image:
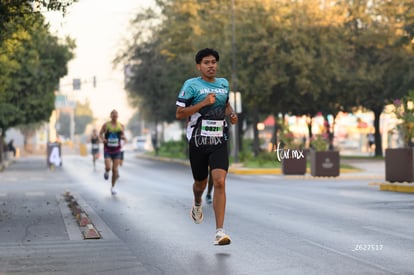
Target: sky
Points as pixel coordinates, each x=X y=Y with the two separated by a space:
x=98 y=27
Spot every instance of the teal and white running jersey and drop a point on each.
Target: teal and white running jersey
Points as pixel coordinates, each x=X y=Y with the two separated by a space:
x=210 y=118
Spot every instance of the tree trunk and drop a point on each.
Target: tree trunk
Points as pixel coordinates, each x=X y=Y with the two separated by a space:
x=309 y=123
x=154 y=138
x=330 y=132
x=1 y=147
x=378 y=139
x=240 y=131
x=256 y=142
x=275 y=138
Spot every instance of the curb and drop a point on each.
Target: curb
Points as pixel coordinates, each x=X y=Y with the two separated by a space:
x=255 y=171
x=397 y=187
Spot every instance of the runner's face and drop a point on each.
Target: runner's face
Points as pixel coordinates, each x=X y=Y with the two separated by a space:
x=114 y=115
x=208 y=67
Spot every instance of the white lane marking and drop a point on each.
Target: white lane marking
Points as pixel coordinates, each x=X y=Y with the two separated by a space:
x=35 y=193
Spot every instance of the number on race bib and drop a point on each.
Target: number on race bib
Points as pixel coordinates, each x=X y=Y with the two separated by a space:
x=54 y=157
x=212 y=128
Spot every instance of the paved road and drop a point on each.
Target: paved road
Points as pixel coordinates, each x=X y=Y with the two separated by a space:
x=279 y=225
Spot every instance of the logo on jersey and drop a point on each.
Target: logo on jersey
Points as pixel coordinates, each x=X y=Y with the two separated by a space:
x=213 y=90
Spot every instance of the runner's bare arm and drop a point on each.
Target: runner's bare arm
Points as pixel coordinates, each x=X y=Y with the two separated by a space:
x=185 y=112
x=230 y=112
x=229 y=109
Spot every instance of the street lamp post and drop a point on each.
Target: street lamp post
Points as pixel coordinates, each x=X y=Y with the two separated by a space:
x=234 y=81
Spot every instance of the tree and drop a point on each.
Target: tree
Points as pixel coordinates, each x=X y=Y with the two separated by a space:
x=28 y=131
x=134 y=125
x=307 y=59
x=381 y=67
x=64 y=122
x=31 y=62
x=157 y=70
x=82 y=117
x=292 y=57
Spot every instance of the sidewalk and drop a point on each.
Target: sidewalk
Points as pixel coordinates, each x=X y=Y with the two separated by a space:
x=377 y=168
x=40 y=234
x=6 y=163
x=29 y=197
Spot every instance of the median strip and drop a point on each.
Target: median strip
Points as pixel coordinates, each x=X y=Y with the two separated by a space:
x=89 y=230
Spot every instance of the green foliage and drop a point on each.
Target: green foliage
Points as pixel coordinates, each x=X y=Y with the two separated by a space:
x=263 y=160
x=404 y=111
x=291 y=56
x=319 y=143
x=173 y=149
x=178 y=150
x=64 y=125
x=134 y=124
x=83 y=117
x=81 y=121
x=31 y=63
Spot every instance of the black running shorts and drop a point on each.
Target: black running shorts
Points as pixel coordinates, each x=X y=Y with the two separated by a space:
x=203 y=157
x=112 y=155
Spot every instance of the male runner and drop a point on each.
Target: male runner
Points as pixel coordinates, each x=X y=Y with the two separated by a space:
x=111 y=134
x=205 y=101
x=94 y=140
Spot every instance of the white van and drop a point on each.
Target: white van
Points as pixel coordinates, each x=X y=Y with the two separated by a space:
x=140 y=143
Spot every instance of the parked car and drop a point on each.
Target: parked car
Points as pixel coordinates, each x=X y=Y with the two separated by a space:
x=140 y=143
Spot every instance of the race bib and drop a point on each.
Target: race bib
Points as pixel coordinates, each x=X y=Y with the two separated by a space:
x=212 y=128
x=95 y=146
x=113 y=142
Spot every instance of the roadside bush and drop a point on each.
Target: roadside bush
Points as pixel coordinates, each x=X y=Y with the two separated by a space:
x=265 y=159
x=173 y=149
x=179 y=150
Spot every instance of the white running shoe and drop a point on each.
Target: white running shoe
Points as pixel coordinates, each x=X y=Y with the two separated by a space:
x=197 y=213
x=221 y=238
x=106 y=175
x=113 y=192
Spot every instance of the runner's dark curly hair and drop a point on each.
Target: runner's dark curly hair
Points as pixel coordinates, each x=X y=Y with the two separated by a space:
x=206 y=52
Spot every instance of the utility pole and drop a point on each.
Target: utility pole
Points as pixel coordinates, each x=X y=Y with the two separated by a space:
x=234 y=81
